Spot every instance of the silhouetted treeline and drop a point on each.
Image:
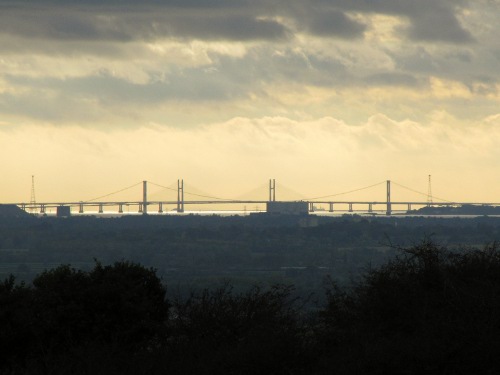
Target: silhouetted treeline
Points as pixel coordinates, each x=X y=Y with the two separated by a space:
x=427 y=311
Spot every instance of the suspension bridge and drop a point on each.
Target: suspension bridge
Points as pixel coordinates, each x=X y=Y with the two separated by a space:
x=175 y=199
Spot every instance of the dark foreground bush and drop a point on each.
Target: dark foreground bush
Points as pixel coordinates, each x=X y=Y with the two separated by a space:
x=72 y=321
x=257 y=332
x=430 y=311
x=116 y=320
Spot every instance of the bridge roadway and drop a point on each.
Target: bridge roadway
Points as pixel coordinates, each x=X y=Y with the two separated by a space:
x=333 y=206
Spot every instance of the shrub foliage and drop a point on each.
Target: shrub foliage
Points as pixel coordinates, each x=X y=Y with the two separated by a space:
x=428 y=311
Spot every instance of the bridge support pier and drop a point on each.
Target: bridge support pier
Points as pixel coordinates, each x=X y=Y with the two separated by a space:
x=350 y=207
x=23 y=207
x=331 y=207
x=100 y=208
x=80 y=208
x=42 y=208
x=370 y=207
x=160 y=208
x=311 y=207
x=140 y=208
x=409 y=207
x=120 y=208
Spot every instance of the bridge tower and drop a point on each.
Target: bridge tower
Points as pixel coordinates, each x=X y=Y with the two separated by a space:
x=32 y=199
x=144 y=197
x=429 y=193
x=180 y=195
x=389 y=209
x=272 y=190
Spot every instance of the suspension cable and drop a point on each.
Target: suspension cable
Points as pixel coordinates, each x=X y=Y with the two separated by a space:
x=115 y=192
x=197 y=195
x=421 y=193
x=161 y=186
x=346 y=192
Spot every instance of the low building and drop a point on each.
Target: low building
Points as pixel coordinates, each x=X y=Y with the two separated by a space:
x=63 y=211
x=288 y=208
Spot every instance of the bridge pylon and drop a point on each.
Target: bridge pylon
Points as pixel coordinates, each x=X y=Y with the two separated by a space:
x=144 y=197
x=272 y=190
x=180 y=195
x=389 y=208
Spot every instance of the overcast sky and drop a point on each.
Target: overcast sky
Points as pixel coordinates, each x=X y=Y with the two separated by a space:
x=323 y=95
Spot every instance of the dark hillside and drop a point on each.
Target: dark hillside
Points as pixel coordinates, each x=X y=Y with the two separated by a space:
x=11 y=211
x=197 y=251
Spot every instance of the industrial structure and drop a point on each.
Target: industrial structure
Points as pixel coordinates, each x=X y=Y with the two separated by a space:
x=63 y=211
x=287 y=208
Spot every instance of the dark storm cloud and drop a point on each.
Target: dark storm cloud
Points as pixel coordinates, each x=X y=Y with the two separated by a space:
x=229 y=28
x=59 y=24
x=126 y=20
x=459 y=64
x=334 y=23
x=440 y=25
x=392 y=79
x=430 y=20
x=130 y=21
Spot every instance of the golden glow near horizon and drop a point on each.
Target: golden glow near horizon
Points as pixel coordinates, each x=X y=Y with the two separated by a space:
x=324 y=98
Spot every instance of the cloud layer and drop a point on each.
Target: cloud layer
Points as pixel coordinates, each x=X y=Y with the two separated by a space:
x=284 y=81
x=64 y=58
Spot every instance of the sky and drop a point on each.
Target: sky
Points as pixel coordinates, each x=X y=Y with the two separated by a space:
x=325 y=96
